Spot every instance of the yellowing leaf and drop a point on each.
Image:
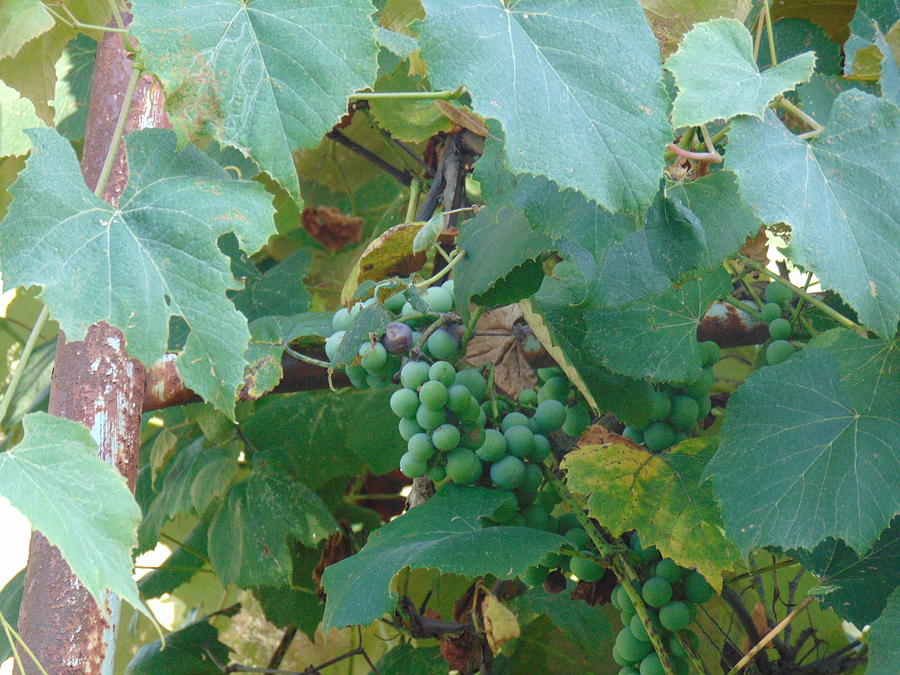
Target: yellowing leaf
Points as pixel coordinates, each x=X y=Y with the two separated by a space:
x=500 y=624
x=389 y=254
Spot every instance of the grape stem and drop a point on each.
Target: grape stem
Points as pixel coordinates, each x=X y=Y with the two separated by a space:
x=23 y=361
x=428 y=95
x=307 y=359
x=442 y=320
x=615 y=557
x=470 y=329
x=454 y=258
x=415 y=187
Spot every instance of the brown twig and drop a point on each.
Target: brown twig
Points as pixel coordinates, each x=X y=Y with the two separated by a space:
x=403 y=177
x=762 y=644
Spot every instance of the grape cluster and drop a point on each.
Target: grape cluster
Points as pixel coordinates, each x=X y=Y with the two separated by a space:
x=777 y=296
x=579 y=556
x=675 y=410
x=671 y=594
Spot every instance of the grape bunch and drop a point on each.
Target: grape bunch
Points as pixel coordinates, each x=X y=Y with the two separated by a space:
x=777 y=297
x=676 y=409
x=671 y=594
x=579 y=556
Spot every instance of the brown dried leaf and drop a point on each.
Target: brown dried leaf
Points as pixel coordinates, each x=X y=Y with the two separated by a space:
x=497 y=340
x=500 y=624
x=388 y=255
x=331 y=228
x=462 y=652
x=463 y=117
x=757 y=248
x=337 y=547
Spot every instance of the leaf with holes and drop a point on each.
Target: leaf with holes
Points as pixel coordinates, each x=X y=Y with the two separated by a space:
x=152 y=257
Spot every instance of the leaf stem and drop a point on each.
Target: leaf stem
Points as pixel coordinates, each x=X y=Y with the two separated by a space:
x=709 y=144
x=72 y=22
x=712 y=157
x=771 y=635
x=23 y=361
x=470 y=329
x=307 y=359
x=757 y=40
x=760 y=570
x=455 y=258
x=815 y=302
x=113 y=149
x=747 y=287
x=435 y=95
x=770 y=33
x=415 y=187
x=817 y=128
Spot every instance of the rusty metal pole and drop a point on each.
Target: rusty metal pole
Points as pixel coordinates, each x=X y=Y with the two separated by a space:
x=96 y=383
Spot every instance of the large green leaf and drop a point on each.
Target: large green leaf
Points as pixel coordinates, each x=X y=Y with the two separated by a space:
x=718 y=79
x=671 y=19
x=248 y=536
x=808 y=448
x=267 y=76
x=837 y=193
x=179 y=567
x=18 y=115
x=406 y=659
x=445 y=534
x=279 y=291
x=658 y=494
x=135 y=265
x=45 y=477
x=186 y=652
x=572 y=108
x=319 y=435
x=75 y=73
x=855 y=586
x=296 y=604
x=884 y=649
x=20 y=21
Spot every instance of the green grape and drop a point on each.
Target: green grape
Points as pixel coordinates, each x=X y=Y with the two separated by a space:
x=780 y=329
x=443 y=345
x=531 y=483
x=378 y=380
x=341 y=319
x=414 y=374
x=448 y=286
x=535 y=576
x=630 y=647
x=629 y=670
x=458 y=398
x=472 y=435
x=409 y=428
x=542 y=448
x=618 y=658
x=578 y=536
x=678 y=651
x=420 y=447
x=704 y=383
x=578 y=419
x=769 y=312
x=556 y=388
x=433 y=395
x=674 y=616
x=659 y=436
x=508 y=472
x=445 y=437
x=472 y=380
x=651 y=665
x=696 y=588
x=438 y=300
x=494 y=446
x=550 y=415
x=551 y=560
x=407 y=312
x=621 y=600
x=660 y=405
x=357 y=376
x=332 y=344
x=778 y=293
x=395 y=302
x=513 y=419
x=669 y=570
x=633 y=434
x=537 y=517
x=472 y=412
x=374 y=356
x=519 y=440
x=527 y=397
x=568 y=521
x=637 y=626
x=778 y=351
x=442 y=372
x=412 y=467
x=709 y=352
x=545 y=374
x=704 y=405
x=680 y=436
x=437 y=473
x=463 y=466
x=430 y=419
x=684 y=413
x=656 y=592
x=586 y=570
x=404 y=403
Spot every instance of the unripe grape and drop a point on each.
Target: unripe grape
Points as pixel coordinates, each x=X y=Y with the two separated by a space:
x=513 y=419
x=660 y=405
x=536 y=516
x=769 y=312
x=449 y=286
x=420 y=447
x=674 y=616
x=378 y=380
x=414 y=374
x=357 y=376
x=651 y=665
x=778 y=293
x=696 y=588
x=527 y=397
x=633 y=434
x=472 y=380
x=341 y=319
x=630 y=647
x=458 y=398
x=472 y=412
x=397 y=338
x=586 y=570
x=531 y=482
x=578 y=419
x=374 y=356
x=437 y=473
x=659 y=436
x=472 y=435
x=519 y=441
x=535 y=576
x=443 y=372
x=578 y=536
x=550 y=415
x=445 y=437
x=494 y=446
x=409 y=428
x=704 y=405
x=332 y=344
x=408 y=312
x=438 y=299
x=508 y=472
x=411 y=466
x=556 y=388
x=433 y=395
x=443 y=345
x=430 y=419
x=541 y=450
x=463 y=466
x=669 y=570
x=778 y=351
x=709 y=352
x=780 y=329
x=618 y=658
x=637 y=626
x=656 y=592
x=545 y=374
x=683 y=414
x=404 y=403
x=629 y=670
x=395 y=302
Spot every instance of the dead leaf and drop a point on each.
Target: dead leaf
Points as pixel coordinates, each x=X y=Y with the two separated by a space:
x=463 y=117
x=388 y=255
x=757 y=248
x=500 y=624
x=332 y=228
x=502 y=338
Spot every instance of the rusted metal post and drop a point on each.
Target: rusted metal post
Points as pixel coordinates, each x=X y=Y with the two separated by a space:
x=96 y=383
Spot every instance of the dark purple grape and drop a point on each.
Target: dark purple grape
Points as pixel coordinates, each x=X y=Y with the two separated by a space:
x=397 y=338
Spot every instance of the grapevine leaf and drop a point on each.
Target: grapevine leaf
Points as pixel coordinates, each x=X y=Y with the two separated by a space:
x=817 y=96
x=179 y=567
x=406 y=659
x=443 y=533
x=397 y=43
x=368 y=321
x=186 y=652
x=248 y=543
x=855 y=586
x=871 y=18
x=427 y=236
x=884 y=652
x=660 y=495
x=18 y=115
x=389 y=254
x=798 y=36
x=279 y=291
x=543 y=647
x=414 y=120
x=718 y=79
x=152 y=257
x=269 y=76
x=319 y=435
x=558 y=100
x=10 y=602
x=73 y=89
x=837 y=194
x=44 y=478
x=297 y=604
x=20 y=21
x=808 y=447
